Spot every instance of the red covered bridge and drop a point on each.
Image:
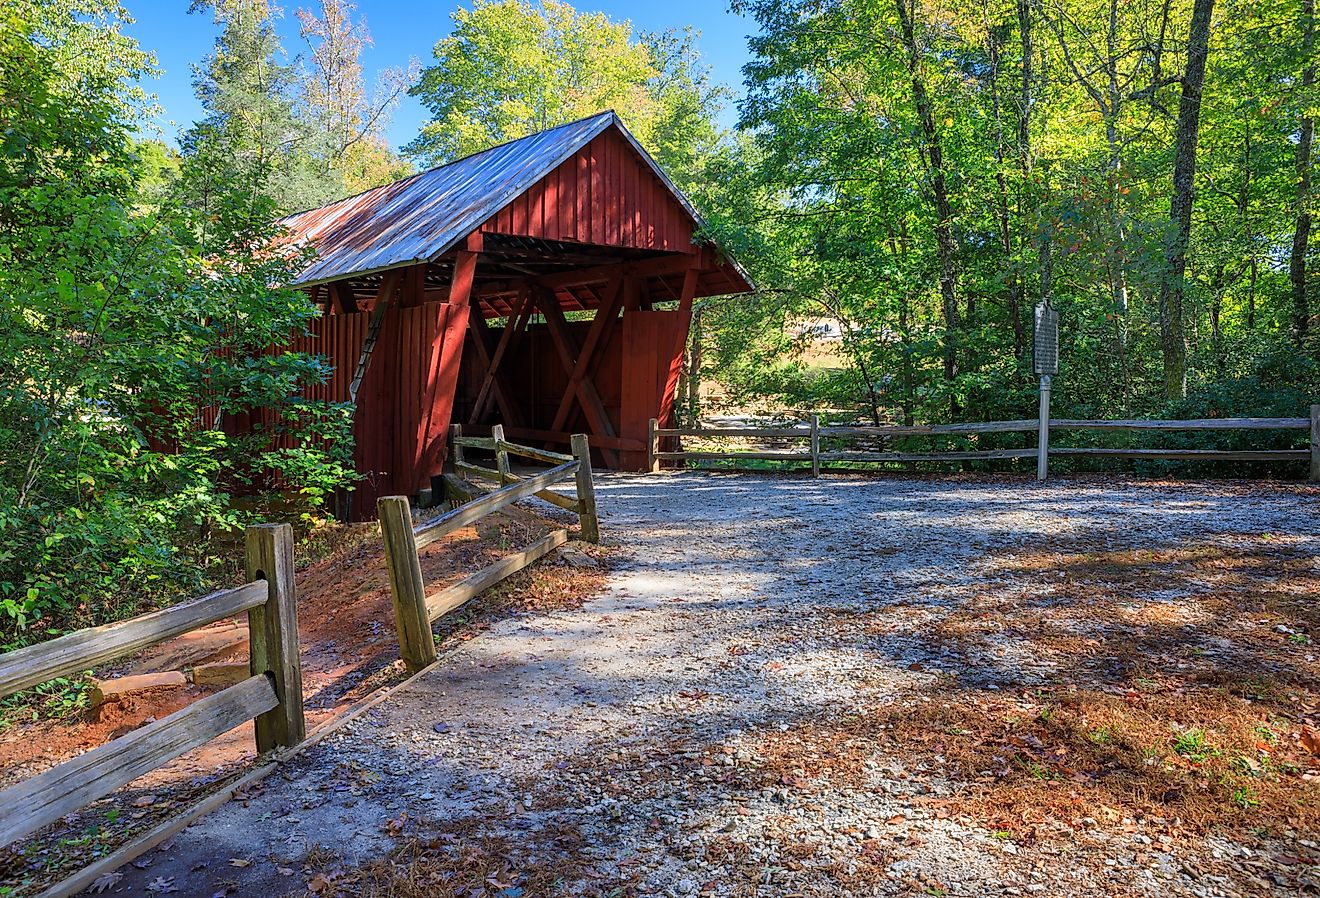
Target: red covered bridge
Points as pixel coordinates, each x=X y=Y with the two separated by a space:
x=532 y=233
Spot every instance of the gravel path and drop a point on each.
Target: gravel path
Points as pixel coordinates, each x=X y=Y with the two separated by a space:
x=634 y=746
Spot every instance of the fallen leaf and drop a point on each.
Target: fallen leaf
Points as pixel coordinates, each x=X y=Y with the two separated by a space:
x=239 y=862
x=284 y=871
x=105 y=881
x=1311 y=739
x=161 y=884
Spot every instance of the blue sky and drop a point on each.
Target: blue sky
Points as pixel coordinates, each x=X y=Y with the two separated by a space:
x=402 y=29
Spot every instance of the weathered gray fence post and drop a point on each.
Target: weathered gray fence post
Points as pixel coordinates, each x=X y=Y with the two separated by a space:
x=652 y=446
x=815 y=446
x=456 y=456
x=1043 y=431
x=501 y=455
x=273 y=634
x=416 y=644
x=586 y=490
x=1315 y=442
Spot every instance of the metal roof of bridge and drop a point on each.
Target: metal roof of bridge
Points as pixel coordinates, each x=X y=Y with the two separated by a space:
x=420 y=218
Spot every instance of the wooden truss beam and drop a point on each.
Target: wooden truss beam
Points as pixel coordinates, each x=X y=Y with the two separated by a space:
x=490 y=363
x=674 y=263
x=586 y=393
x=607 y=316
x=519 y=315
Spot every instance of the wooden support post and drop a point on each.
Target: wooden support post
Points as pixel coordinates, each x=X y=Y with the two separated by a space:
x=652 y=446
x=815 y=446
x=501 y=455
x=416 y=644
x=1315 y=443
x=273 y=634
x=586 y=490
x=1043 y=431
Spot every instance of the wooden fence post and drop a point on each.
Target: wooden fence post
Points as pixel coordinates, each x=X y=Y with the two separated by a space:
x=455 y=450
x=586 y=490
x=815 y=446
x=652 y=446
x=416 y=644
x=501 y=455
x=1315 y=442
x=1043 y=431
x=273 y=634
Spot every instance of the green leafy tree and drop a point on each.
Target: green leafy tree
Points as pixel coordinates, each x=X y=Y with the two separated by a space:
x=513 y=67
x=133 y=323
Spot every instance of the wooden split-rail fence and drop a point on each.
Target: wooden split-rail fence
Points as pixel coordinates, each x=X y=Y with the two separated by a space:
x=414 y=609
x=271 y=695
x=812 y=433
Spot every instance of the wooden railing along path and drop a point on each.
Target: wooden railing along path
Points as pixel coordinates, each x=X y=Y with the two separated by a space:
x=414 y=610
x=812 y=433
x=271 y=695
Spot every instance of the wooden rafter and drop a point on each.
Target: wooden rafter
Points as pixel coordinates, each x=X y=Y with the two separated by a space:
x=344 y=299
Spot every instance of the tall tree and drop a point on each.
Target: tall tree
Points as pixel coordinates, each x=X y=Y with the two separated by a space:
x=933 y=157
x=1301 y=310
x=131 y=320
x=249 y=91
x=513 y=67
x=1173 y=285
x=348 y=124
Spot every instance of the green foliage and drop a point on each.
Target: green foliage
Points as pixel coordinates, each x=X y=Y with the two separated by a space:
x=1059 y=181
x=132 y=323
x=515 y=67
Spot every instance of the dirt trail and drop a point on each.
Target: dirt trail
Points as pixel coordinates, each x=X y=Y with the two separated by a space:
x=842 y=687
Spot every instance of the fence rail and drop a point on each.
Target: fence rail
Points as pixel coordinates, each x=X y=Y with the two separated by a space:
x=813 y=432
x=414 y=609
x=271 y=695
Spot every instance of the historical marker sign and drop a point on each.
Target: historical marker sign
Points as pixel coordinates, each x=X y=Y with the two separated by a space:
x=1045 y=348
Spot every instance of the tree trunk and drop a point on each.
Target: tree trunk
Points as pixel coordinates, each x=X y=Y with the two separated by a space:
x=934 y=157
x=1301 y=311
x=1002 y=200
x=1173 y=286
x=1026 y=216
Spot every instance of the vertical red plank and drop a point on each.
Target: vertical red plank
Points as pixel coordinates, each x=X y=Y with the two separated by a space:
x=597 y=148
x=567 y=228
x=550 y=205
x=583 y=160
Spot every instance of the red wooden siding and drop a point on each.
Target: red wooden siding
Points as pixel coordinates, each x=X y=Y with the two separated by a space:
x=650 y=374
x=405 y=401
x=406 y=397
x=604 y=195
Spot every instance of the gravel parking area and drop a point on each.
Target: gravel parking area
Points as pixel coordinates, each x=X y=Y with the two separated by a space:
x=851 y=686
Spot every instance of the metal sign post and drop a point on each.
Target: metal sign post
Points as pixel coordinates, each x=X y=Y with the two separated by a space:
x=1045 y=361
